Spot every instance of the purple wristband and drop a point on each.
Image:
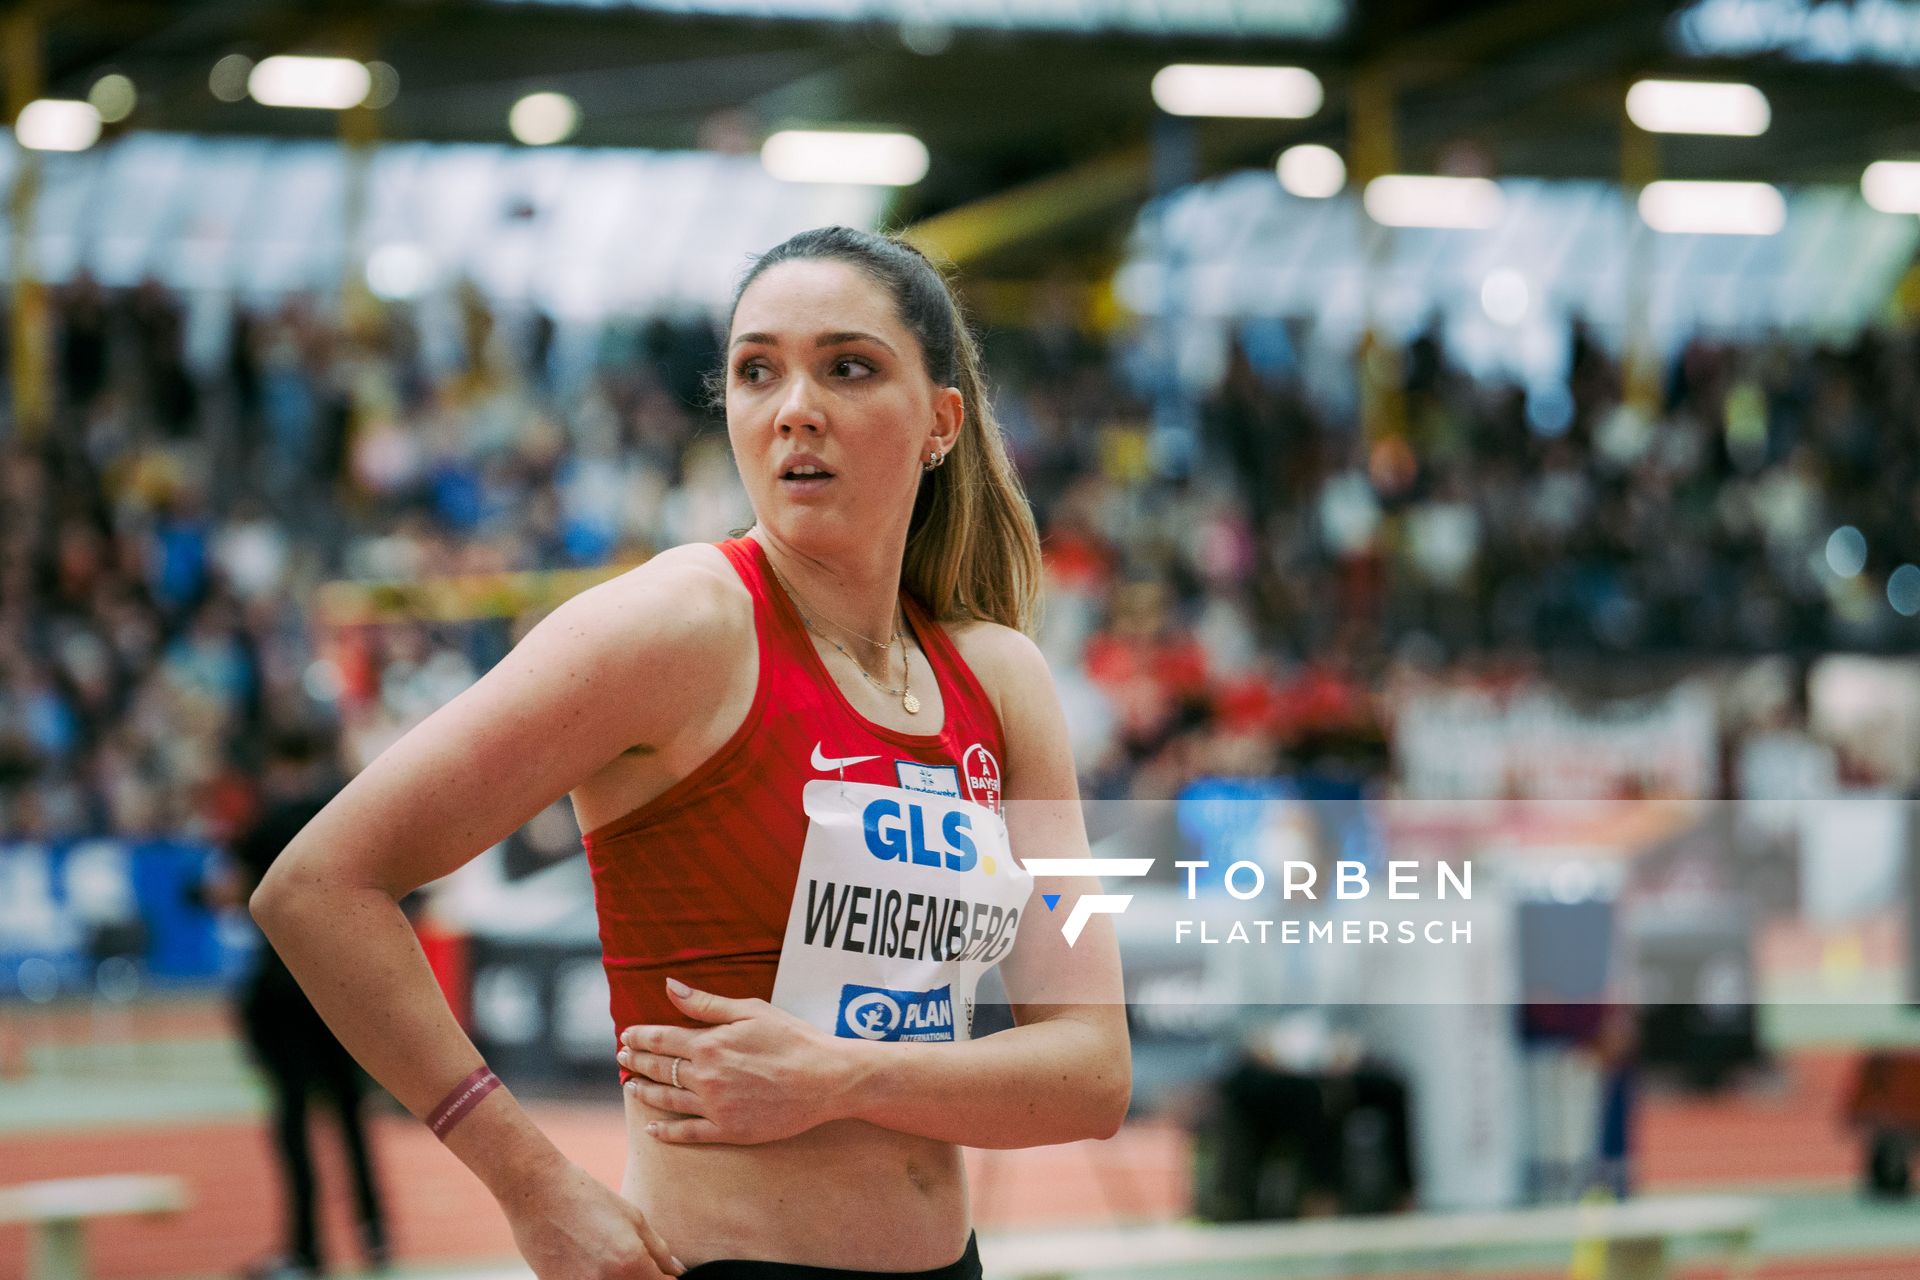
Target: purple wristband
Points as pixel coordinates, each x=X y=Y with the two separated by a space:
x=464 y=1098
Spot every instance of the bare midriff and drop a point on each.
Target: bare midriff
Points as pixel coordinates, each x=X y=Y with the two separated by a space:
x=815 y=1198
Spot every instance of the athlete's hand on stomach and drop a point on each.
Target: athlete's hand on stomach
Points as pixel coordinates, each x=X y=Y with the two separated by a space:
x=753 y=1073
x=570 y=1226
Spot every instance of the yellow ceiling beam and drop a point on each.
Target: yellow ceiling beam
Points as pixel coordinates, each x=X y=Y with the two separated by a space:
x=970 y=232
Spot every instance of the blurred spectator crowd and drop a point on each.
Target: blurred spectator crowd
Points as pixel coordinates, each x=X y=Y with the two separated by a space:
x=1216 y=611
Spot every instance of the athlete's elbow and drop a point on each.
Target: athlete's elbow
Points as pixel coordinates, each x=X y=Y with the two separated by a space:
x=1111 y=1094
x=265 y=899
x=281 y=893
x=267 y=903
x=1115 y=1102
x=1104 y=1104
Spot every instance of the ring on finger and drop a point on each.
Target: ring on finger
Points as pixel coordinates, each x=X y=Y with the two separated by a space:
x=676 y=1073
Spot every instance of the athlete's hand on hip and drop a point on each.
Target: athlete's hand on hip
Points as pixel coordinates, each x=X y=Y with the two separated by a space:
x=752 y=1073
x=571 y=1226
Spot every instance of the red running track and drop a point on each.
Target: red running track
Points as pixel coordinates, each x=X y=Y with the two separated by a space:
x=1767 y=1139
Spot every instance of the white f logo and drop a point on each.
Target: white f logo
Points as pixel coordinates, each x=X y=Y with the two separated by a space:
x=1088 y=905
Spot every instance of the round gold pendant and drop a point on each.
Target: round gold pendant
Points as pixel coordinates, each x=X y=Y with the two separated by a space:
x=911 y=703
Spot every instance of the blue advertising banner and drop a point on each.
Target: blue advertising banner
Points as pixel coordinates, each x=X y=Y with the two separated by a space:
x=80 y=916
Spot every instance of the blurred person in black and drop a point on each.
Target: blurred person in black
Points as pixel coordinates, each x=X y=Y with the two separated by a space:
x=287 y=1036
x=1305 y=1121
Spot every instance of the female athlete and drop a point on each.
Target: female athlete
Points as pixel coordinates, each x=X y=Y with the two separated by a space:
x=806 y=763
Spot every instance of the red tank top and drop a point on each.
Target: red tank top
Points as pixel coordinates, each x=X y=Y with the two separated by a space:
x=704 y=882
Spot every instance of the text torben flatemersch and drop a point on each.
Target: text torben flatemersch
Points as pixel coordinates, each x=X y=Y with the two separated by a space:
x=1245 y=880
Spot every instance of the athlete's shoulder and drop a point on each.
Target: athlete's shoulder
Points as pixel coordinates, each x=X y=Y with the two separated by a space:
x=1008 y=664
x=1013 y=671
x=694 y=583
x=685 y=602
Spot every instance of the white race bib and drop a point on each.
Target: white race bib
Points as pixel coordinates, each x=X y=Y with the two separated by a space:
x=904 y=898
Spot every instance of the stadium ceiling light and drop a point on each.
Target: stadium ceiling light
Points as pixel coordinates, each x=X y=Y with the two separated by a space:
x=114 y=97
x=861 y=159
x=1423 y=200
x=1903 y=590
x=1699 y=106
x=1245 y=93
x=1847 y=551
x=57 y=124
x=1713 y=208
x=1892 y=186
x=1505 y=297
x=1311 y=171
x=383 y=85
x=326 y=84
x=228 y=79
x=398 y=272
x=542 y=119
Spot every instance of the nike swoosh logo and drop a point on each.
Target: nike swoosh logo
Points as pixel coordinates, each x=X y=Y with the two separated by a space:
x=822 y=762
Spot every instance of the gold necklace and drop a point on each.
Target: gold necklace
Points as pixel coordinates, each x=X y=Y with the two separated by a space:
x=905 y=692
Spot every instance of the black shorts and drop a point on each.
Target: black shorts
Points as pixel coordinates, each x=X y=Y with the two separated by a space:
x=965 y=1267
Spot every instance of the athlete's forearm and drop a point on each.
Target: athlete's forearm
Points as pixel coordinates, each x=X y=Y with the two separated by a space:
x=1057 y=1080
x=359 y=962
